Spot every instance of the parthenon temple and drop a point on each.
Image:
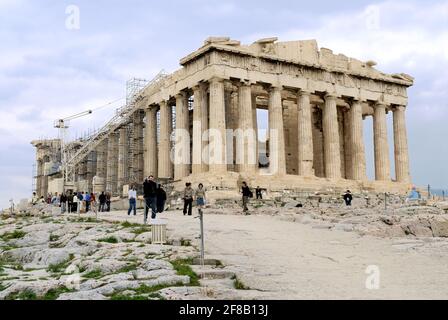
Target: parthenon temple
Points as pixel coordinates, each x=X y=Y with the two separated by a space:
x=201 y=124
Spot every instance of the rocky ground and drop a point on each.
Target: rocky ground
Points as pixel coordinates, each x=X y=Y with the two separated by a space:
x=70 y=258
x=288 y=248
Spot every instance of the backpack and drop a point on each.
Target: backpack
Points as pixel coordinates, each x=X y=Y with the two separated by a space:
x=251 y=194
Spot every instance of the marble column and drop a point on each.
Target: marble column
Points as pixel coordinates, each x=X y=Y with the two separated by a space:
x=112 y=163
x=357 y=140
x=101 y=165
x=39 y=171
x=318 y=143
x=332 y=155
x=305 y=135
x=198 y=130
x=245 y=134
x=401 y=146
x=218 y=138
x=165 y=164
x=91 y=170
x=348 y=145
x=205 y=125
x=182 y=147
x=255 y=123
x=381 y=144
x=277 y=156
x=138 y=152
x=122 y=159
x=151 y=142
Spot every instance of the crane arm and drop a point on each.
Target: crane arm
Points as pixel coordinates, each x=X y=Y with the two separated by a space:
x=79 y=115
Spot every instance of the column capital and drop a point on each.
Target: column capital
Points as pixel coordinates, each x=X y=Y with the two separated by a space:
x=399 y=108
x=331 y=96
x=181 y=95
x=216 y=80
x=275 y=87
x=304 y=92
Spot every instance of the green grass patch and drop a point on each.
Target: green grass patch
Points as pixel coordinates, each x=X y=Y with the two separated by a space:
x=183 y=268
x=128 y=268
x=54 y=294
x=94 y=274
x=108 y=240
x=16 y=234
x=60 y=267
x=127 y=224
x=2 y=287
x=24 y=295
x=121 y=297
x=238 y=284
x=54 y=237
x=141 y=230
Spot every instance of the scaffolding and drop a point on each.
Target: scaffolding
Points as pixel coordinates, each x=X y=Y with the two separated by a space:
x=134 y=93
x=133 y=87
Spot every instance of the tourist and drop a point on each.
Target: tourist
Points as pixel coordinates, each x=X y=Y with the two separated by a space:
x=247 y=194
x=108 y=201
x=87 y=200
x=150 y=195
x=348 y=198
x=102 y=199
x=76 y=204
x=93 y=202
x=200 y=196
x=161 y=199
x=70 y=202
x=63 y=201
x=258 y=193
x=132 y=195
x=188 y=199
x=414 y=195
x=55 y=200
x=34 y=199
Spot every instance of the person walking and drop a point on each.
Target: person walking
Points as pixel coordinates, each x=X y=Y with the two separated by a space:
x=161 y=199
x=77 y=203
x=108 y=201
x=247 y=194
x=132 y=195
x=348 y=198
x=102 y=199
x=87 y=200
x=63 y=201
x=93 y=202
x=70 y=202
x=200 y=196
x=150 y=195
x=258 y=193
x=34 y=199
x=188 y=199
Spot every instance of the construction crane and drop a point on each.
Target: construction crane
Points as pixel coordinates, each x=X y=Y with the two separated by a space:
x=62 y=125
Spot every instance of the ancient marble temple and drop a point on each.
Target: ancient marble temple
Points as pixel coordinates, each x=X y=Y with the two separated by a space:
x=200 y=123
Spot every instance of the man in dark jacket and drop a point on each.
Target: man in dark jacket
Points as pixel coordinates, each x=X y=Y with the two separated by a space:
x=150 y=194
x=348 y=198
x=102 y=199
x=161 y=199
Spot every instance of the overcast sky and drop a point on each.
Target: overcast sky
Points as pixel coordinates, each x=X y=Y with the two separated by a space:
x=48 y=71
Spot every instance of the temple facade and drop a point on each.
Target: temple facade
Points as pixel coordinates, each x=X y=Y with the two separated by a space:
x=200 y=124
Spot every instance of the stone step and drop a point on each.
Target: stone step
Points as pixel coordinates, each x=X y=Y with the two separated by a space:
x=208 y=272
x=207 y=262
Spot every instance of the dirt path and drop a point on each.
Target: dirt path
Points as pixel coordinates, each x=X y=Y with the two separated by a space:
x=289 y=260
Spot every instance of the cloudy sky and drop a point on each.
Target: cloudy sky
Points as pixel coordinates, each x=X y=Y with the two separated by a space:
x=50 y=68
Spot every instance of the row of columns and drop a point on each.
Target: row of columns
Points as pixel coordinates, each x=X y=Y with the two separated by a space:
x=209 y=112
